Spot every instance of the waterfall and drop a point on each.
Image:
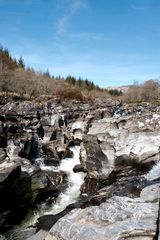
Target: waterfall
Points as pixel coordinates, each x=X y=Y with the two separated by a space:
x=75 y=180
x=69 y=195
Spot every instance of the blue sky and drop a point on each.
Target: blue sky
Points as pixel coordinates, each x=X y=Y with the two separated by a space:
x=111 y=42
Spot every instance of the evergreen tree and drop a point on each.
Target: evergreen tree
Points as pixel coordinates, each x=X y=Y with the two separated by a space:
x=21 y=63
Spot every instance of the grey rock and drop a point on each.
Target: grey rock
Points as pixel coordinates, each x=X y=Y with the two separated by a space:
x=151 y=193
x=95 y=162
x=129 y=140
x=38 y=236
x=2 y=154
x=92 y=157
x=50 y=155
x=117 y=218
x=2 y=237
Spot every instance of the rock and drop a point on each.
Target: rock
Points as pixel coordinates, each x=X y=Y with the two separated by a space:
x=29 y=232
x=57 y=178
x=78 y=135
x=48 y=131
x=3 y=136
x=50 y=155
x=47 y=221
x=117 y=218
x=12 y=149
x=54 y=135
x=92 y=157
x=38 y=236
x=2 y=154
x=123 y=141
x=40 y=132
x=95 y=162
x=78 y=129
x=91 y=184
x=32 y=149
x=2 y=237
x=26 y=165
x=151 y=193
x=15 y=192
x=26 y=108
x=63 y=151
x=126 y=186
x=79 y=168
x=140 y=148
x=42 y=187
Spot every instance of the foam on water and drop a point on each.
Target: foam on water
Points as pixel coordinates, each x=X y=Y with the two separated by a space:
x=154 y=173
x=66 y=197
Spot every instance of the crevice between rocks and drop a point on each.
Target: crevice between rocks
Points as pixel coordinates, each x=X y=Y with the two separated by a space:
x=158 y=225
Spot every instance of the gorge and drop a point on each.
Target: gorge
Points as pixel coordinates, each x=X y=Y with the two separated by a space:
x=74 y=170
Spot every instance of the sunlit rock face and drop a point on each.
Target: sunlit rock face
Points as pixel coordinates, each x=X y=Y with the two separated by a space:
x=117 y=218
x=125 y=140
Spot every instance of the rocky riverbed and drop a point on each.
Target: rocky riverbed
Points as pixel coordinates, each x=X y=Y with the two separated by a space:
x=77 y=171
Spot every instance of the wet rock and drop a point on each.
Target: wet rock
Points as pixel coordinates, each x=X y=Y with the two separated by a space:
x=2 y=154
x=79 y=168
x=50 y=155
x=26 y=165
x=91 y=184
x=47 y=221
x=57 y=178
x=68 y=138
x=63 y=151
x=42 y=187
x=3 y=136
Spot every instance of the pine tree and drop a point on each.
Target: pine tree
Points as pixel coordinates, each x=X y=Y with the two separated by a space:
x=21 y=63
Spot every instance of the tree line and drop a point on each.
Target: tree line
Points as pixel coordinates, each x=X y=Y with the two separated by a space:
x=15 y=77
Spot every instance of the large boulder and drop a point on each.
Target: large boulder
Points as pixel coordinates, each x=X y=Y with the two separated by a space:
x=117 y=218
x=92 y=157
x=95 y=162
x=42 y=187
x=130 y=140
x=32 y=149
x=2 y=154
x=50 y=155
x=3 y=136
x=15 y=192
x=78 y=129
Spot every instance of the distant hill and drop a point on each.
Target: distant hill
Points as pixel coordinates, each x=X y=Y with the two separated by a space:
x=123 y=89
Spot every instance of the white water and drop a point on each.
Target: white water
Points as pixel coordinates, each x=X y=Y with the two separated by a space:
x=69 y=195
x=154 y=172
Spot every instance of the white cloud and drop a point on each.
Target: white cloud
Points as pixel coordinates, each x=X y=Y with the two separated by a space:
x=71 y=10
